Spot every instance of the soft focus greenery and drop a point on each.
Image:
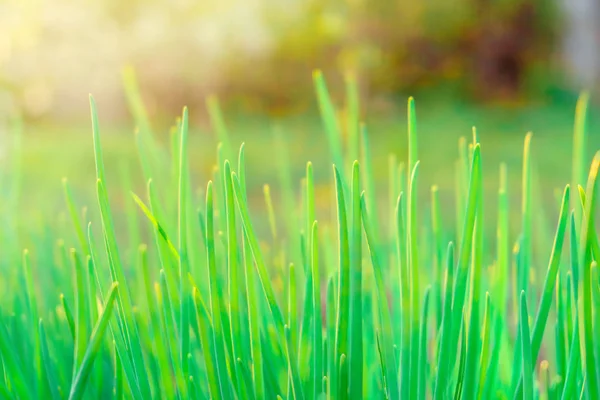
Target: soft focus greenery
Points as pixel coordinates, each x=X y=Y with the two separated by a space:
x=259 y=53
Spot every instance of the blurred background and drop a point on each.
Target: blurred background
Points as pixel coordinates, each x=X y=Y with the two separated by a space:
x=257 y=55
x=505 y=66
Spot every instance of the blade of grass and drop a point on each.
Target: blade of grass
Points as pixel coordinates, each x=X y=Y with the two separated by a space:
x=526 y=350
x=413 y=249
x=403 y=263
x=502 y=244
x=80 y=380
x=579 y=150
x=81 y=312
x=211 y=369
x=485 y=346
x=356 y=318
x=526 y=216
x=155 y=325
x=387 y=351
x=422 y=378
x=317 y=322
x=585 y=247
x=123 y=295
x=184 y=290
x=445 y=331
x=459 y=291
x=549 y=282
x=328 y=115
x=474 y=334
x=232 y=268
x=48 y=364
x=343 y=292
x=215 y=301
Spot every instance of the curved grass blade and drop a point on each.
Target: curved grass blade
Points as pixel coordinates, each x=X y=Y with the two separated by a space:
x=218 y=124
x=459 y=291
x=389 y=364
x=328 y=115
x=75 y=217
x=116 y=268
x=352 y=116
x=257 y=254
x=549 y=282
x=156 y=224
x=80 y=380
x=369 y=179
x=68 y=315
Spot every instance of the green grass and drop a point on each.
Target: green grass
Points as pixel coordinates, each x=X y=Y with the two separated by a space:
x=188 y=285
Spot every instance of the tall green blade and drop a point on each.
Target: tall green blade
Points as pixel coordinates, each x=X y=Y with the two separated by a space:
x=215 y=301
x=422 y=377
x=413 y=251
x=389 y=361
x=80 y=379
x=232 y=268
x=317 y=321
x=328 y=115
x=526 y=217
x=585 y=249
x=81 y=312
x=184 y=290
x=579 y=150
x=49 y=367
x=526 y=350
x=343 y=292
x=460 y=284
x=356 y=317
x=550 y=281
x=117 y=274
x=474 y=334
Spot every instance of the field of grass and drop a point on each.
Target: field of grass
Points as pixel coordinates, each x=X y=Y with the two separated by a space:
x=425 y=269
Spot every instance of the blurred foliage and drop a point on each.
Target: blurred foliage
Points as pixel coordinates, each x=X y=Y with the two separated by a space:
x=259 y=53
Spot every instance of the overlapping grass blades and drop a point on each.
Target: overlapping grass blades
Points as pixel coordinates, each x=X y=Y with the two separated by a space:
x=363 y=303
